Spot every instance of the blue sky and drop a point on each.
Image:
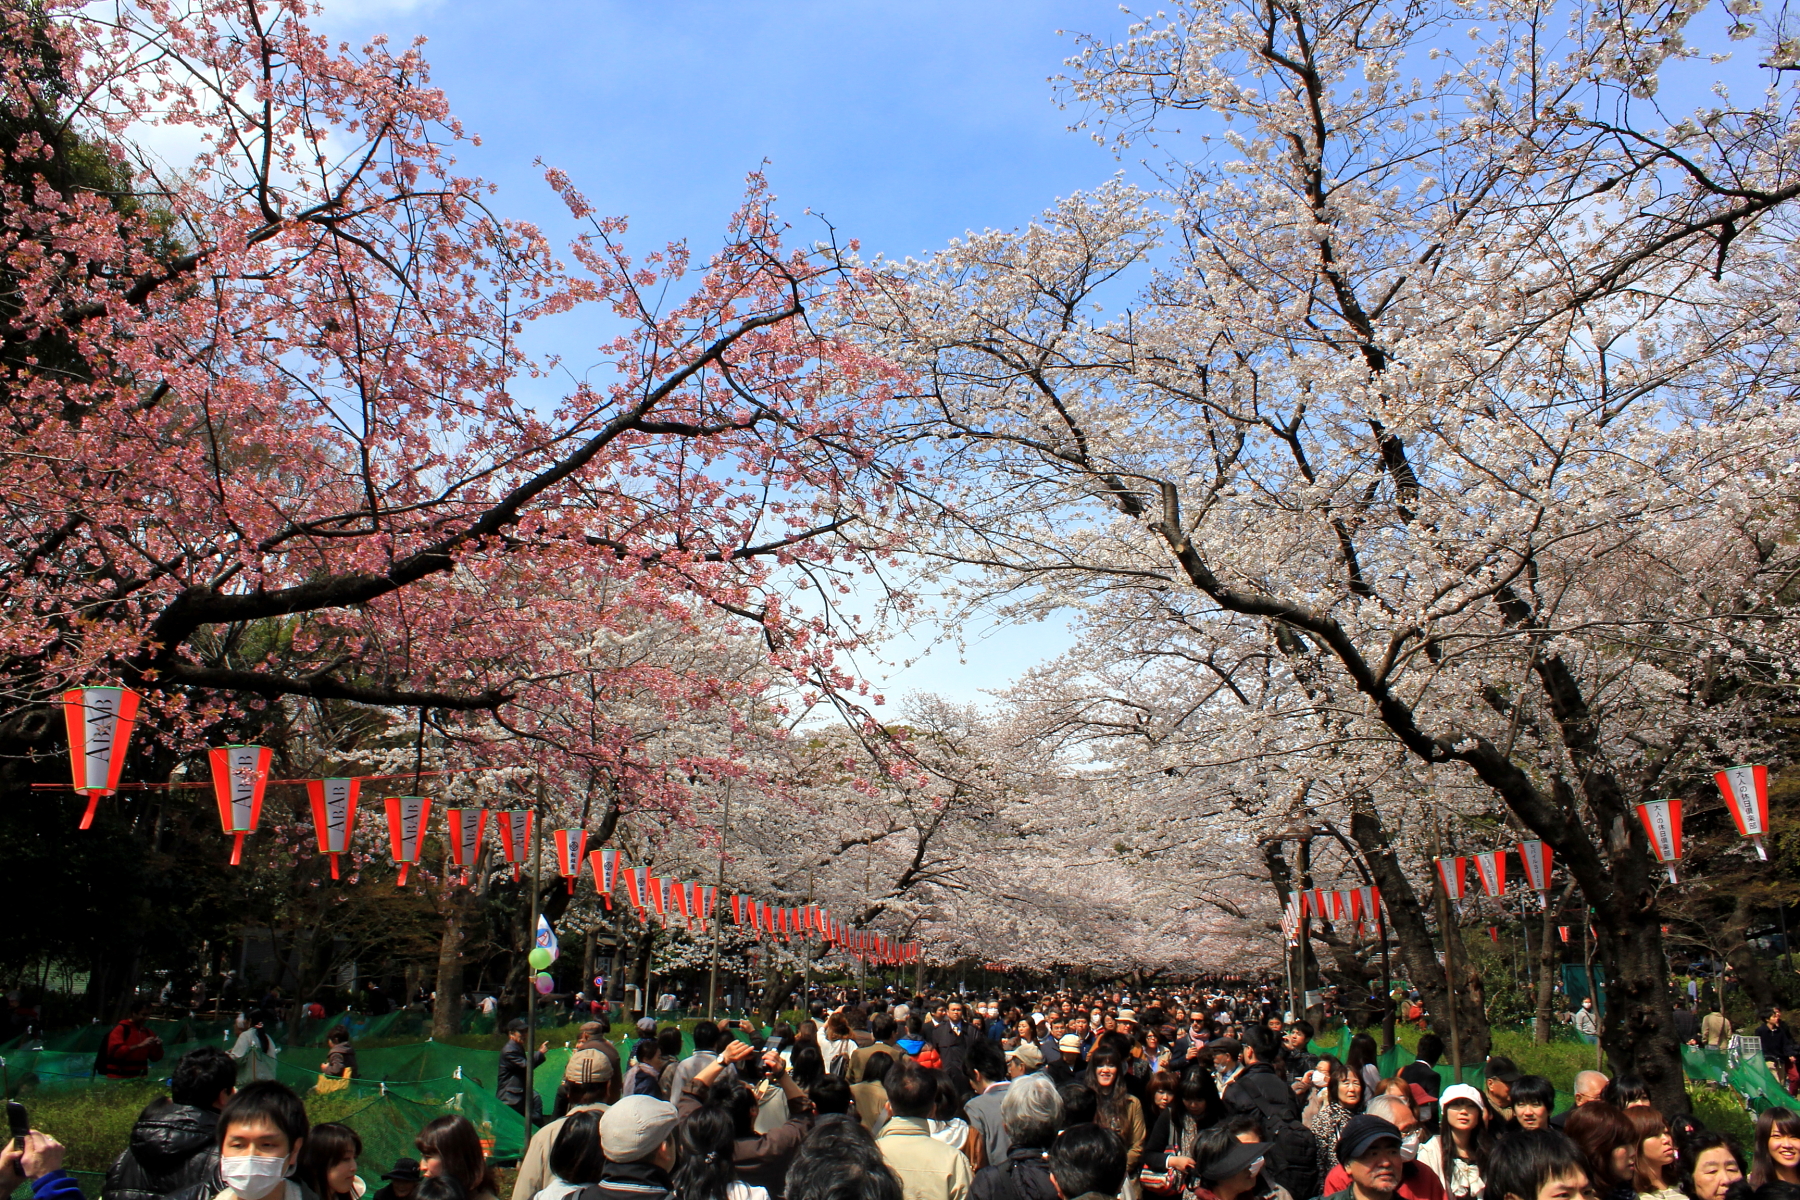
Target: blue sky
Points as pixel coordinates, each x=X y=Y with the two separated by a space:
x=903 y=124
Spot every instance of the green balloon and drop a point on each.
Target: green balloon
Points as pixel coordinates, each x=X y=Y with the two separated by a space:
x=539 y=958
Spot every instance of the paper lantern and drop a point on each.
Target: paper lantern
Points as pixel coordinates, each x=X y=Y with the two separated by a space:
x=407 y=818
x=1535 y=857
x=1746 y=792
x=696 y=903
x=637 y=889
x=1662 y=822
x=605 y=865
x=1564 y=931
x=466 y=827
x=515 y=836
x=99 y=720
x=740 y=914
x=1491 y=866
x=240 y=775
x=1494 y=934
x=334 y=815
x=1453 y=874
x=571 y=848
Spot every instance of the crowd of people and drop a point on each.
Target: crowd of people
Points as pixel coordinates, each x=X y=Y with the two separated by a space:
x=1205 y=1095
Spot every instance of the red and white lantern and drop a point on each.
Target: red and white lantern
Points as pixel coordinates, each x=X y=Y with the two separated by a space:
x=334 y=815
x=605 y=864
x=408 y=817
x=739 y=910
x=1746 y=792
x=696 y=904
x=240 y=775
x=1662 y=822
x=99 y=721
x=1453 y=874
x=1491 y=866
x=637 y=889
x=466 y=827
x=571 y=848
x=515 y=836
x=1535 y=857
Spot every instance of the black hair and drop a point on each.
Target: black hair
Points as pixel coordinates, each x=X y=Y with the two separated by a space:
x=1777 y=1189
x=1304 y=1027
x=706 y=1035
x=1482 y=1145
x=1431 y=1048
x=256 y=1018
x=336 y=1035
x=1693 y=1146
x=839 y=1161
x=881 y=1025
x=829 y=1095
x=1079 y=1103
x=703 y=1163
x=1244 y=1122
x=1766 y=1011
x=808 y=1065
x=1210 y=1147
x=670 y=1041
x=201 y=1075
x=949 y=1104
x=1527 y=1159
x=1534 y=1090
x=575 y=1155
x=326 y=1146
x=876 y=1068
x=440 y=1187
x=1110 y=1102
x=1363 y=1052
x=645 y=1051
x=1088 y=1158
x=265 y=1103
x=985 y=1056
x=911 y=1089
x=1784 y=1121
x=455 y=1142
x=1625 y=1091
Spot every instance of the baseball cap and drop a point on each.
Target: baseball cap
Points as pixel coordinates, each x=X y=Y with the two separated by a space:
x=1029 y=1055
x=635 y=1127
x=1462 y=1091
x=588 y=1066
x=592 y=1029
x=1069 y=1042
x=1361 y=1132
x=647 y=1025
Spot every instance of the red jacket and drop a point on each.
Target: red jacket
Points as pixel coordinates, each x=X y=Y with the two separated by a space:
x=129 y=1048
x=1417 y=1182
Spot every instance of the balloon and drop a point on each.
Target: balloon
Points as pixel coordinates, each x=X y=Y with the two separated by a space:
x=539 y=958
x=544 y=984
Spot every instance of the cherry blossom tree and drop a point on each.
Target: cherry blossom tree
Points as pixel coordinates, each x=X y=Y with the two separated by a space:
x=1456 y=371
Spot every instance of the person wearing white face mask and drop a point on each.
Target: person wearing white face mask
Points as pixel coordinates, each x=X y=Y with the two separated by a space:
x=1417 y=1182
x=261 y=1131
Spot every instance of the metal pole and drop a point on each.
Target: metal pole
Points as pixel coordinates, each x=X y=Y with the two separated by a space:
x=1387 y=981
x=536 y=837
x=712 y=979
x=1449 y=932
x=806 y=947
x=1587 y=959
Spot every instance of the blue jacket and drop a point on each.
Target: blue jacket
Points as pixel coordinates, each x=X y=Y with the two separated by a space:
x=55 y=1185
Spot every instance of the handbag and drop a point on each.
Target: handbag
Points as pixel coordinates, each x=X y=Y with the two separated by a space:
x=1159 y=1183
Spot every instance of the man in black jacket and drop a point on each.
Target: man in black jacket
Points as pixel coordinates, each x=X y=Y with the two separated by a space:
x=509 y=1088
x=953 y=1036
x=1257 y=1088
x=174 y=1143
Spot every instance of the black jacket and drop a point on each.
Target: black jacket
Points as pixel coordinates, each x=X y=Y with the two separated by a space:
x=510 y=1087
x=1025 y=1175
x=628 y=1181
x=171 y=1147
x=953 y=1049
x=1258 y=1089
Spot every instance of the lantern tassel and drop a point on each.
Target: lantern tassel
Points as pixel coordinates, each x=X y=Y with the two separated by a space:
x=87 y=818
x=403 y=867
x=571 y=885
x=1755 y=841
x=1671 y=867
x=515 y=872
x=237 y=849
x=334 y=871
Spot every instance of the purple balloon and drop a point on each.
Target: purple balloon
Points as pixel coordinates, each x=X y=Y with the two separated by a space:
x=544 y=984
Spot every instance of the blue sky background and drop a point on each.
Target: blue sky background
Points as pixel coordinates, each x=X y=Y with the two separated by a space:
x=903 y=124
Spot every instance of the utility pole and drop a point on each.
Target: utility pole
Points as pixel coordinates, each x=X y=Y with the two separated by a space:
x=1449 y=932
x=712 y=981
x=806 y=933
x=535 y=835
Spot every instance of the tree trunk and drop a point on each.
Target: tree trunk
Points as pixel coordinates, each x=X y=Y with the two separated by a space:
x=1639 y=1031
x=446 y=1012
x=1412 y=937
x=1744 y=964
x=1547 y=964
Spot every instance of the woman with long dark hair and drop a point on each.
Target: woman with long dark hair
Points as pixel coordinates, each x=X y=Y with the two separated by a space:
x=328 y=1162
x=255 y=1051
x=1608 y=1140
x=1364 y=1057
x=1459 y=1154
x=1116 y=1108
x=449 y=1146
x=575 y=1156
x=1172 y=1140
x=704 y=1169
x=808 y=1065
x=1777 y=1148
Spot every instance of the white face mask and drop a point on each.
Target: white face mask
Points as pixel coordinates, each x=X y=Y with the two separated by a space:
x=253 y=1176
x=1409 y=1144
x=1256 y=1168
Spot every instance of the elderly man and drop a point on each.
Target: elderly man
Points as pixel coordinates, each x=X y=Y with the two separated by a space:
x=927 y=1168
x=1416 y=1181
x=1589 y=1085
x=1032 y=1114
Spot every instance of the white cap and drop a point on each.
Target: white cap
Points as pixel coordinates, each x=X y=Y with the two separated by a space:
x=1461 y=1091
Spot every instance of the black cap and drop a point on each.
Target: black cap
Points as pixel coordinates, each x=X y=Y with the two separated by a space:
x=1361 y=1132
x=405 y=1170
x=516 y=1025
x=1237 y=1156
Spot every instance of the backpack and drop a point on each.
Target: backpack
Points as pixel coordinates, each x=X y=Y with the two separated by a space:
x=1293 y=1157
x=928 y=1056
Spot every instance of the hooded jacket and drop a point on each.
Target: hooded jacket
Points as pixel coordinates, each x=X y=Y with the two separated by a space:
x=172 y=1147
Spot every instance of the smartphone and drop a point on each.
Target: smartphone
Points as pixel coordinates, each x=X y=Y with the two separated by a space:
x=773 y=1043
x=19 y=1122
